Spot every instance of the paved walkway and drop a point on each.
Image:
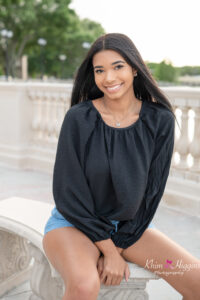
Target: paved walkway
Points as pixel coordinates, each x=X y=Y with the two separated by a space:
x=182 y=228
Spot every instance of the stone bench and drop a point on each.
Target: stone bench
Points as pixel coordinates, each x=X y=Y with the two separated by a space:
x=22 y=256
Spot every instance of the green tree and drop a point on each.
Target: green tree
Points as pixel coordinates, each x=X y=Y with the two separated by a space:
x=52 y=20
x=165 y=72
x=188 y=70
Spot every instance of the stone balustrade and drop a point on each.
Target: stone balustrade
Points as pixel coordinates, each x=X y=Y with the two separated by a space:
x=32 y=113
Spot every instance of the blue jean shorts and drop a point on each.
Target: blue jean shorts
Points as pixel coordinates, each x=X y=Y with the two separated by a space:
x=56 y=220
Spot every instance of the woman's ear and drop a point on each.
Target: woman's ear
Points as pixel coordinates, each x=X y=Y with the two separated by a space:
x=134 y=72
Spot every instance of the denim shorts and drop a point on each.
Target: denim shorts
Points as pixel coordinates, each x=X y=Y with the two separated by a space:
x=56 y=220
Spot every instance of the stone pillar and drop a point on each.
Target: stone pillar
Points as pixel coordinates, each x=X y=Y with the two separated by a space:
x=194 y=147
x=24 y=67
x=183 y=141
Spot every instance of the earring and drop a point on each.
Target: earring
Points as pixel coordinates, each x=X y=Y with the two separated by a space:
x=135 y=74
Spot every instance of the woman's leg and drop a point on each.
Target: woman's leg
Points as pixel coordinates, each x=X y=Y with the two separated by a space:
x=156 y=252
x=75 y=257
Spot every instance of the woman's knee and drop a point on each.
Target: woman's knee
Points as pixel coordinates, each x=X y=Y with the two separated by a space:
x=84 y=287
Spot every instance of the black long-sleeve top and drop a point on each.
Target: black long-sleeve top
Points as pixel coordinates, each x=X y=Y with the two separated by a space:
x=103 y=173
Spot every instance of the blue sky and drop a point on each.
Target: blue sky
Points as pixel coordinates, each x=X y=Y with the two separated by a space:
x=159 y=29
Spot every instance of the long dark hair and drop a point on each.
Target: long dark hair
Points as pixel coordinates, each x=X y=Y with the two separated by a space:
x=144 y=85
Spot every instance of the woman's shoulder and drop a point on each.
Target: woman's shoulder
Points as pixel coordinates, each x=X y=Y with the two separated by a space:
x=78 y=107
x=158 y=118
x=80 y=114
x=159 y=109
x=77 y=110
x=159 y=114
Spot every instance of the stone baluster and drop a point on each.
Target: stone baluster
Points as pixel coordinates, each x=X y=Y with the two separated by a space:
x=61 y=111
x=52 y=119
x=46 y=118
x=173 y=163
x=194 y=146
x=182 y=144
x=43 y=111
x=36 y=119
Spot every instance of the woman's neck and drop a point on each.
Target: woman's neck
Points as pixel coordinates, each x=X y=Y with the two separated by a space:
x=120 y=107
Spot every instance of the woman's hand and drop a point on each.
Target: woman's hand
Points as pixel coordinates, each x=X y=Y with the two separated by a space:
x=112 y=269
x=120 y=250
x=100 y=264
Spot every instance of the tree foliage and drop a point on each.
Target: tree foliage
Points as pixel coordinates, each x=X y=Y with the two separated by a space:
x=165 y=72
x=188 y=70
x=162 y=72
x=52 y=20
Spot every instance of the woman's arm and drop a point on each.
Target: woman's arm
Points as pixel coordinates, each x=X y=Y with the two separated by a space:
x=71 y=191
x=107 y=247
x=120 y=250
x=111 y=266
x=132 y=230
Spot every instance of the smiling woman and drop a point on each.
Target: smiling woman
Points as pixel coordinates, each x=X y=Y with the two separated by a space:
x=114 y=73
x=112 y=163
x=115 y=79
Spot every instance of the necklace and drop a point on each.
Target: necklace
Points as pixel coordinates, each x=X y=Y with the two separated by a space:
x=117 y=123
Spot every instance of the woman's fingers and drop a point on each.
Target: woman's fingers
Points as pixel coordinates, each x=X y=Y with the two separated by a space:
x=127 y=272
x=107 y=277
x=100 y=266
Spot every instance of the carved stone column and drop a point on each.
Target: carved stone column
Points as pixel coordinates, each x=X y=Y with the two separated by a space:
x=14 y=261
x=173 y=163
x=36 y=117
x=195 y=144
x=42 y=284
x=183 y=141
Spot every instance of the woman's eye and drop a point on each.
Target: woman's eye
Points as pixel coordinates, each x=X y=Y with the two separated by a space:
x=98 y=71
x=119 y=66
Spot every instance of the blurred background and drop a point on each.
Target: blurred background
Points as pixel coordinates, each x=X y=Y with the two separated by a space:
x=42 y=43
x=49 y=38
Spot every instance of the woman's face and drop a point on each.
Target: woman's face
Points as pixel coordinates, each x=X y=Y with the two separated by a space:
x=112 y=74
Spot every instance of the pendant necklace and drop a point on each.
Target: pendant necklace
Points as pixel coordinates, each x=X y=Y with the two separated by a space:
x=117 y=123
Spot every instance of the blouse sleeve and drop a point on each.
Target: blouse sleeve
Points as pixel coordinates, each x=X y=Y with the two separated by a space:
x=71 y=192
x=131 y=230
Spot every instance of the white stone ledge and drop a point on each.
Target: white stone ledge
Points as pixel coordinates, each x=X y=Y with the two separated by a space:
x=20 y=221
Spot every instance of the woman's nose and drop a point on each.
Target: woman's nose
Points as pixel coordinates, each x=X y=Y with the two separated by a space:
x=109 y=76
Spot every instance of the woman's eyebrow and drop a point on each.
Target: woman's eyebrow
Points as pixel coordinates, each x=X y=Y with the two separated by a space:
x=114 y=63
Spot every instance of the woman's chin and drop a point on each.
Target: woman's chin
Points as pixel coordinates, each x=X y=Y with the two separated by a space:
x=116 y=95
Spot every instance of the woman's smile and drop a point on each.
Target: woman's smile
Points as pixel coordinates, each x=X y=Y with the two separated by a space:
x=114 y=88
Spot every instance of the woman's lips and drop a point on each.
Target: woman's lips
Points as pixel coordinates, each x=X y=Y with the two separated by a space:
x=114 y=88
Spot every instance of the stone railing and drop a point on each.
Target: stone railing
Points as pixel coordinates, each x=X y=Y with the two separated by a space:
x=183 y=186
x=32 y=113
x=186 y=103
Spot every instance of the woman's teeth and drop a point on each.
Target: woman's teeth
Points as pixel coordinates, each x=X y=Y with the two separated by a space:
x=114 y=88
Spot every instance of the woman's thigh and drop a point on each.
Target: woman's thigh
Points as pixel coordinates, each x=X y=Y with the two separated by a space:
x=158 y=253
x=72 y=254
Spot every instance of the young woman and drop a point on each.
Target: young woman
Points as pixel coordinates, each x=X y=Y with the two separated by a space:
x=112 y=162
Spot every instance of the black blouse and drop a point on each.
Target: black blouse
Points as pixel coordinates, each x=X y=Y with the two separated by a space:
x=103 y=173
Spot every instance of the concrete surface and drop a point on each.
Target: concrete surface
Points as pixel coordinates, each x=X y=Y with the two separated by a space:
x=183 y=229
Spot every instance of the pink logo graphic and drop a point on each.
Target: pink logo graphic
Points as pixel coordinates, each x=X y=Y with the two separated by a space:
x=168 y=264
